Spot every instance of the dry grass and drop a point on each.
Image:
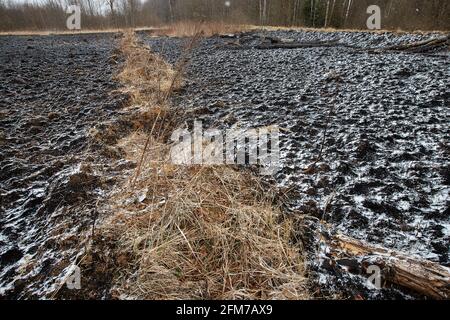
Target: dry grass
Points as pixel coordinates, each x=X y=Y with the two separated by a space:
x=191 y=28
x=332 y=30
x=202 y=232
x=56 y=32
x=147 y=76
x=193 y=232
x=70 y=32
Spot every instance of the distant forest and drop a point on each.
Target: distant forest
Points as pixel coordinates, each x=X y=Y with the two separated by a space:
x=102 y=14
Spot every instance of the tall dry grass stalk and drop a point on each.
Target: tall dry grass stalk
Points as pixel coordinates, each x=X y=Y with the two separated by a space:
x=193 y=232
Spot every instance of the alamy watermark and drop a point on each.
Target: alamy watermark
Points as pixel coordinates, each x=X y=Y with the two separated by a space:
x=73 y=22
x=375 y=278
x=255 y=146
x=374 y=20
x=73 y=280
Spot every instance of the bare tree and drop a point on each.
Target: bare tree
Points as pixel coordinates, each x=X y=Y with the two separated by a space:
x=295 y=11
x=171 y=9
x=347 y=12
x=326 y=15
x=50 y=14
x=262 y=12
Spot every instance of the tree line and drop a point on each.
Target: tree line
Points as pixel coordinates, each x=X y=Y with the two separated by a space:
x=101 y=14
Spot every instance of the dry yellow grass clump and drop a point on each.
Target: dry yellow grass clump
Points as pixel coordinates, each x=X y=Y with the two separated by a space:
x=193 y=232
x=146 y=75
x=204 y=232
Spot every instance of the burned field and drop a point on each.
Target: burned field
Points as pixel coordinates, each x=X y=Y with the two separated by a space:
x=365 y=131
x=364 y=144
x=55 y=91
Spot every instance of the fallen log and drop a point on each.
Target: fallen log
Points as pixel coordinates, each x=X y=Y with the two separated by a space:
x=420 y=46
x=296 y=45
x=432 y=46
x=419 y=275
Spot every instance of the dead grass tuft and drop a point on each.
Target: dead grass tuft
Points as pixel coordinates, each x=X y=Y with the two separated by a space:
x=202 y=232
x=146 y=75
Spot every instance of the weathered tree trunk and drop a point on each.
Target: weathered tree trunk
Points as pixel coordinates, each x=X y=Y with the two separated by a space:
x=419 y=47
x=347 y=12
x=264 y=13
x=332 y=11
x=296 y=45
x=326 y=15
x=419 y=275
x=294 y=14
x=171 y=14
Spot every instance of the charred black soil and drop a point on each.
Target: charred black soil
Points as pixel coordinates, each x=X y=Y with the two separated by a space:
x=57 y=94
x=365 y=144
